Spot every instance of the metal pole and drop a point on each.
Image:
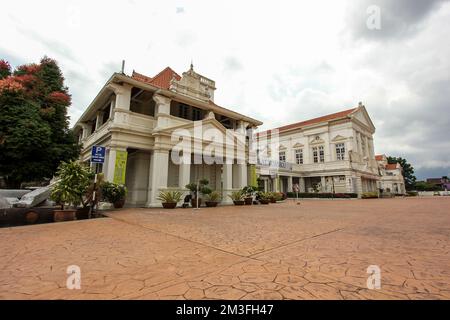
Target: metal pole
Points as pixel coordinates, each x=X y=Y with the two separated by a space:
x=93 y=196
x=196 y=195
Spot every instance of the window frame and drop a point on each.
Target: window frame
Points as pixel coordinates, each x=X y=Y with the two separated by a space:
x=298 y=154
x=340 y=151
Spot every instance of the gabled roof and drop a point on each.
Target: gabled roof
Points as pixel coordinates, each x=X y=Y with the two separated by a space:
x=391 y=166
x=379 y=157
x=161 y=80
x=329 y=117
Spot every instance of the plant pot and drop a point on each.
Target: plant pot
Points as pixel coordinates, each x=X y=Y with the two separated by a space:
x=211 y=203
x=239 y=203
x=248 y=201
x=169 y=205
x=273 y=200
x=194 y=202
x=264 y=201
x=64 y=215
x=119 y=204
x=82 y=213
x=31 y=217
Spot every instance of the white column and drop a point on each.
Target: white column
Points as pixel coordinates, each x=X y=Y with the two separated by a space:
x=227 y=180
x=86 y=129
x=111 y=109
x=162 y=111
x=289 y=184
x=159 y=170
x=358 y=187
x=302 y=184
x=123 y=96
x=323 y=183
x=98 y=120
x=184 y=175
x=241 y=175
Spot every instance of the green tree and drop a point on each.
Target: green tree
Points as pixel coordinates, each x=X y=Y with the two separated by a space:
x=24 y=137
x=33 y=104
x=408 y=171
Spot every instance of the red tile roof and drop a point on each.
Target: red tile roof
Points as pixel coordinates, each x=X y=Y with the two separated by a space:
x=379 y=157
x=301 y=124
x=161 y=80
x=391 y=166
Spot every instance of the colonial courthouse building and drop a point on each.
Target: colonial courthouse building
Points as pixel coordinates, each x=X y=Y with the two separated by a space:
x=135 y=116
x=333 y=153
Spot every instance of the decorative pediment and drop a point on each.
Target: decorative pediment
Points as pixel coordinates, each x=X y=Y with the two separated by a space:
x=362 y=117
x=281 y=148
x=339 y=138
x=298 y=145
x=317 y=140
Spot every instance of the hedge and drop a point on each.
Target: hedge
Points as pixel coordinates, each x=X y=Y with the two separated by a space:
x=322 y=195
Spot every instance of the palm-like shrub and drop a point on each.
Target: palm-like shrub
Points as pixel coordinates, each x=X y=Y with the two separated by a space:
x=170 y=196
x=265 y=195
x=237 y=195
x=214 y=196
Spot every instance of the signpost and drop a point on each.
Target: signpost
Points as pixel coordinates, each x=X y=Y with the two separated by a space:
x=98 y=154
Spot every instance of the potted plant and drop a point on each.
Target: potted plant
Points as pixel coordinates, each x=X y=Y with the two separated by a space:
x=74 y=181
x=237 y=197
x=272 y=197
x=89 y=201
x=264 y=197
x=248 y=194
x=212 y=199
x=169 y=199
x=114 y=193
x=201 y=187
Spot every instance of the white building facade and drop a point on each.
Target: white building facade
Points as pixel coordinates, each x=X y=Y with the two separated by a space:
x=392 y=180
x=135 y=118
x=329 y=154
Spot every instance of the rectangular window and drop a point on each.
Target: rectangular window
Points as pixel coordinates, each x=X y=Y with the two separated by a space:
x=315 y=154
x=282 y=156
x=184 y=111
x=321 y=154
x=299 y=156
x=196 y=114
x=340 y=151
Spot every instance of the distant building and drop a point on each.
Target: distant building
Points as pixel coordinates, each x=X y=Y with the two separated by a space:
x=443 y=183
x=392 y=179
x=332 y=153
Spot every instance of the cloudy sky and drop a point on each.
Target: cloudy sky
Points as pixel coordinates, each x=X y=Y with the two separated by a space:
x=279 y=62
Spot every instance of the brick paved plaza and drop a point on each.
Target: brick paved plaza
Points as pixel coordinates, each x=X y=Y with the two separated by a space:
x=319 y=249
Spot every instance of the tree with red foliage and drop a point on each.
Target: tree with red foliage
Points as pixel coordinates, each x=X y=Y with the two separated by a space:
x=34 y=126
x=5 y=69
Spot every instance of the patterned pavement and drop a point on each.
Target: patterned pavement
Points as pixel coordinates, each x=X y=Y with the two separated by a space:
x=320 y=249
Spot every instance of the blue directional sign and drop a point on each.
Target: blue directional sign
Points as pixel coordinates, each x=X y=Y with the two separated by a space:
x=98 y=154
